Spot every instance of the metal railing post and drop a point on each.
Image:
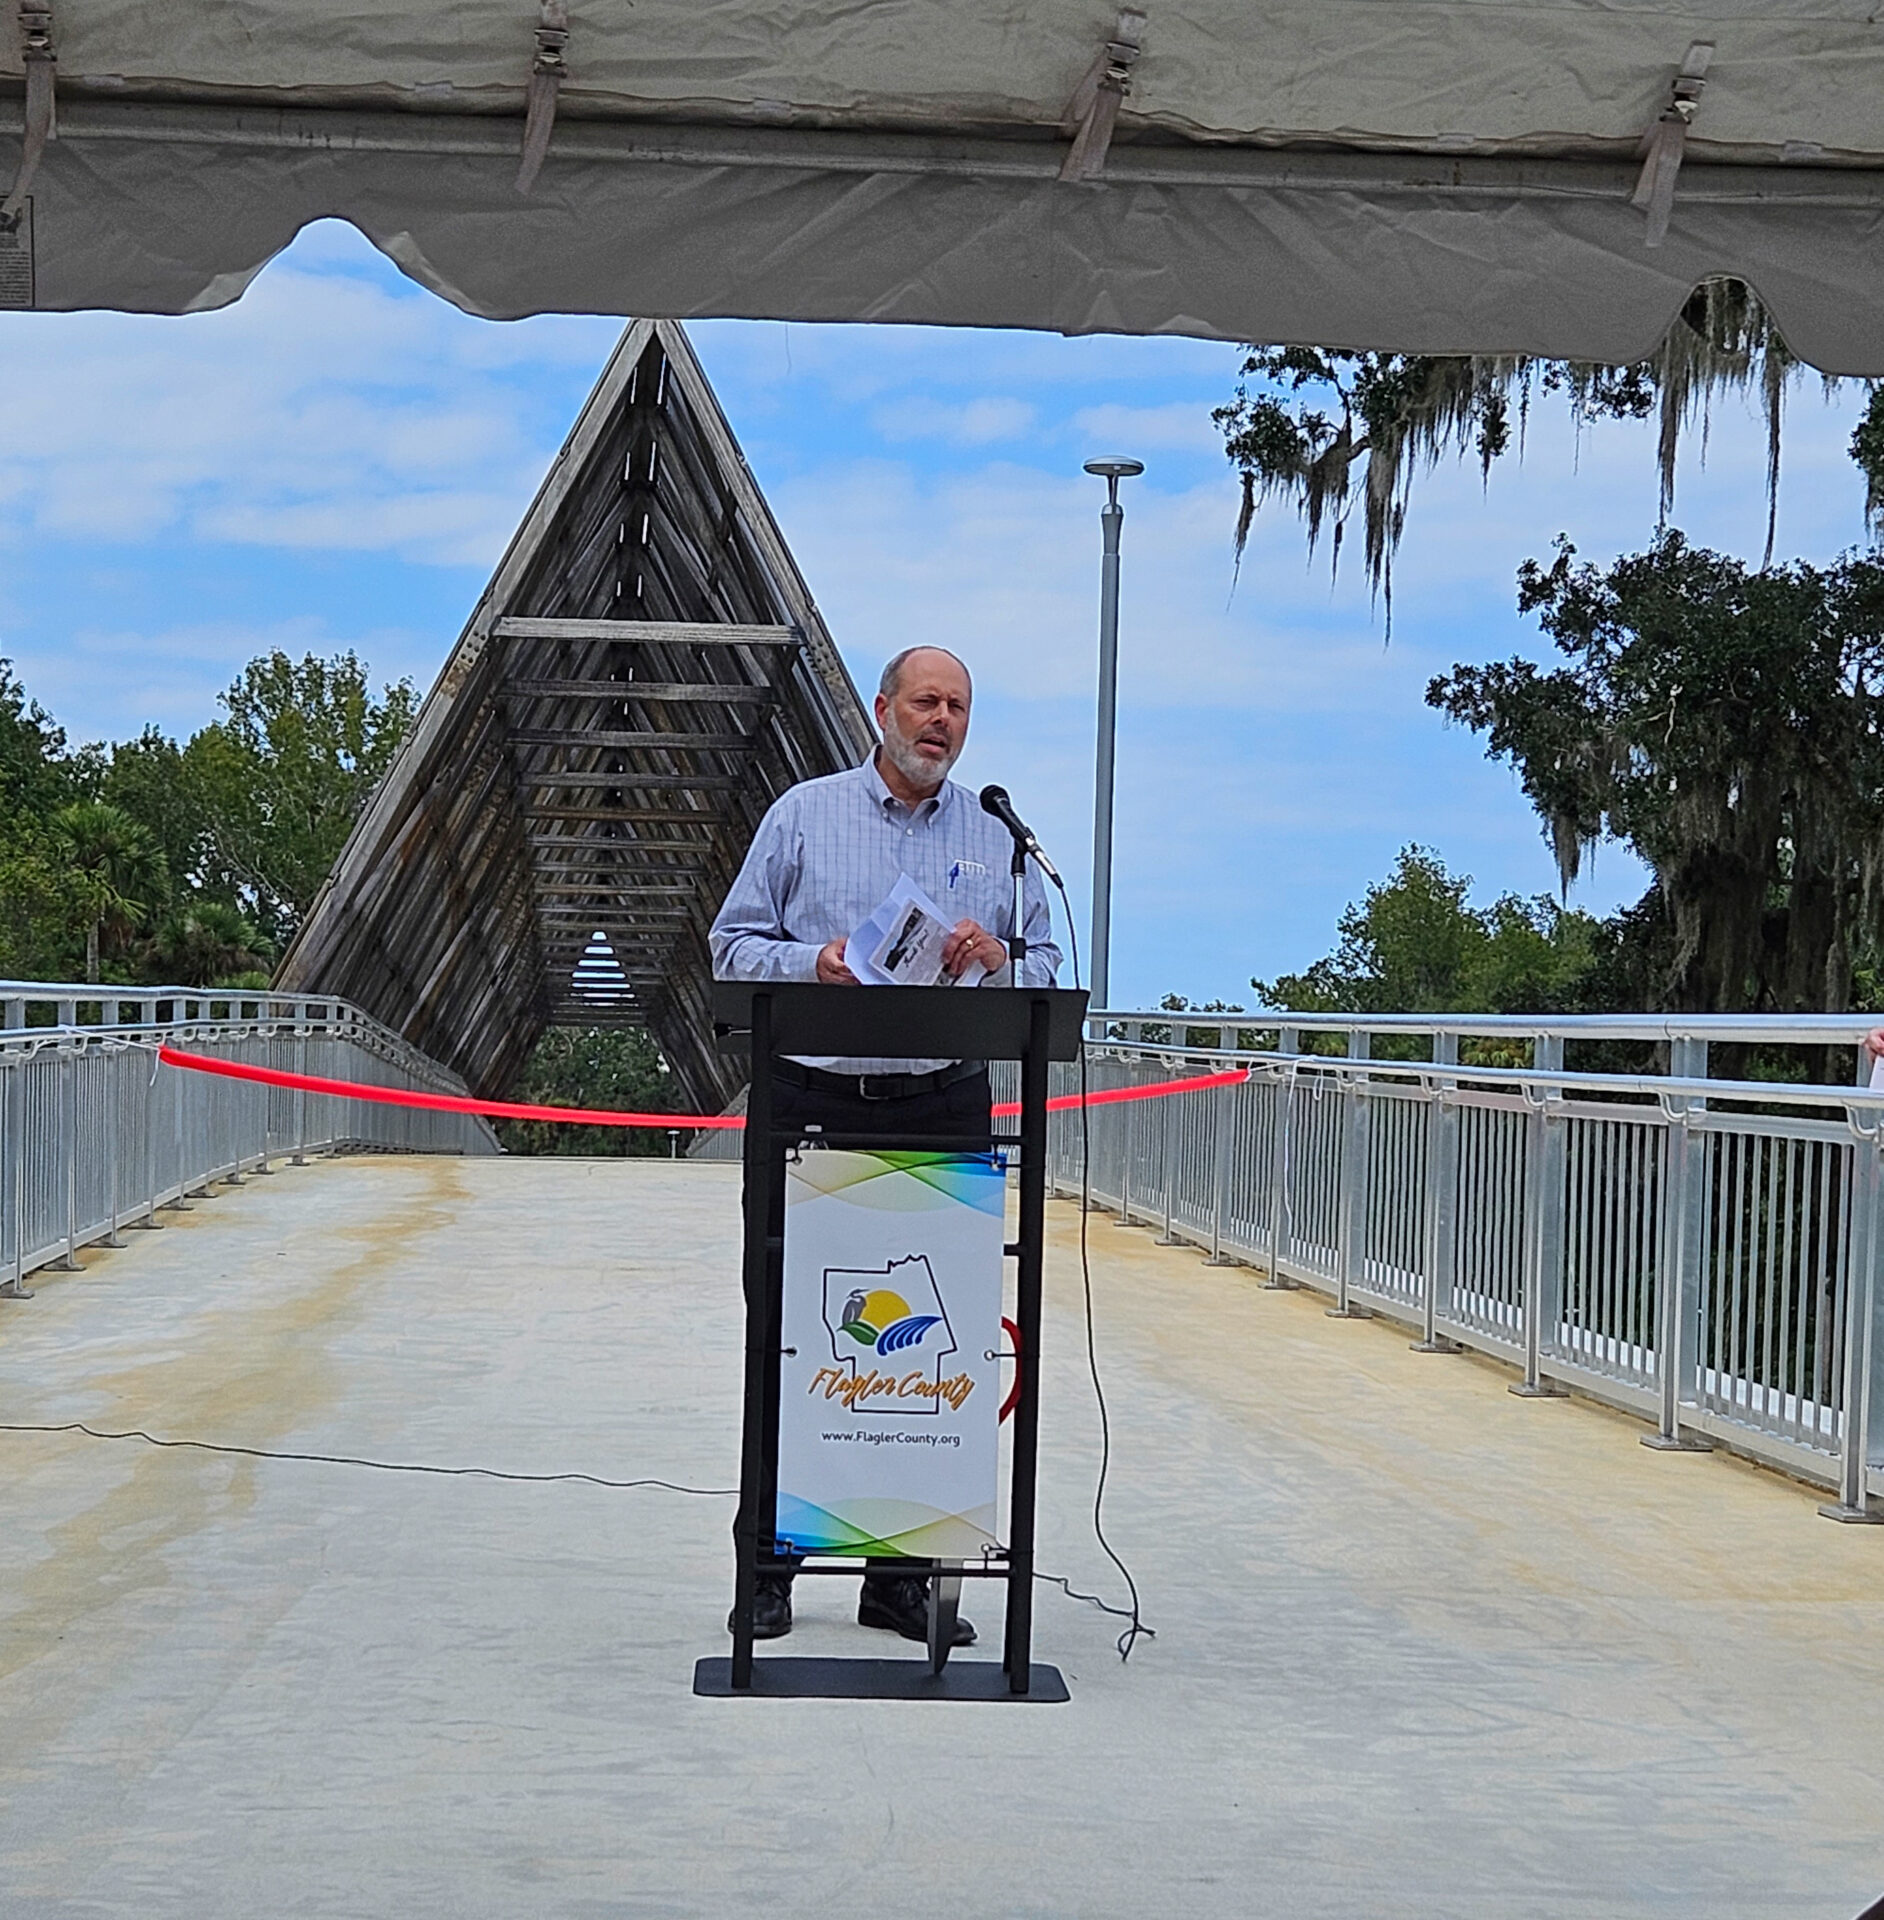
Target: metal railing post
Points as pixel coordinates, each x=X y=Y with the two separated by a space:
x=1441 y=1201
x=1167 y=1163
x=14 y=1286
x=1353 y=1194
x=1543 y=1223
x=68 y=1136
x=1864 y=1351
x=181 y=1203
x=1684 y=1249
x=147 y=1108
x=1281 y=1139
x=1220 y=1175
x=108 y=1123
x=299 y=1156
x=265 y=1096
x=1131 y=1032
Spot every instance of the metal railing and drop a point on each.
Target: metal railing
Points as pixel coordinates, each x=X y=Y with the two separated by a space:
x=96 y=1135
x=1700 y=1252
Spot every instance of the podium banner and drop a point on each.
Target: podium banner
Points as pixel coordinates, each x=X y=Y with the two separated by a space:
x=889 y=1392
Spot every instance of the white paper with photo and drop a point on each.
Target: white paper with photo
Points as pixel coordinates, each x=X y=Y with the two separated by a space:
x=900 y=945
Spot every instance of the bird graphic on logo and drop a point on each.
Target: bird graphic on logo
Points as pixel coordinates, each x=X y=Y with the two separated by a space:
x=880 y=1320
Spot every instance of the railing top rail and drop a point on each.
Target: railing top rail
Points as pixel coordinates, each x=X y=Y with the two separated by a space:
x=270 y=1012
x=1803 y=1029
x=95 y=990
x=1678 y=1091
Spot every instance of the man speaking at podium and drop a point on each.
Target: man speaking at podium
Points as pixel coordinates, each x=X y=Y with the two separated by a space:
x=825 y=857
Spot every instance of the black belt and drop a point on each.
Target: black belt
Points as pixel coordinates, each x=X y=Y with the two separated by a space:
x=875 y=1086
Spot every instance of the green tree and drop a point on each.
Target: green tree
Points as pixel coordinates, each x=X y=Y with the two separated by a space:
x=618 y=1068
x=1725 y=724
x=34 y=777
x=1326 y=431
x=1413 y=944
x=113 y=872
x=281 y=779
x=38 y=937
x=206 y=943
x=145 y=777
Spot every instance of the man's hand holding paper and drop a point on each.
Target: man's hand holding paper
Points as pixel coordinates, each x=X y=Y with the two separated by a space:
x=907 y=942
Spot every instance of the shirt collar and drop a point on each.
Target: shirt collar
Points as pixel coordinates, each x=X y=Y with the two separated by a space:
x=883 y=798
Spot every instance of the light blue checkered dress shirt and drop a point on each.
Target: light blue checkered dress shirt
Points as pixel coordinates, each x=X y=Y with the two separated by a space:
x=828 y=852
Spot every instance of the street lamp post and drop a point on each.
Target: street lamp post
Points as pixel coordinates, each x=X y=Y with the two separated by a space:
x=1112 y=470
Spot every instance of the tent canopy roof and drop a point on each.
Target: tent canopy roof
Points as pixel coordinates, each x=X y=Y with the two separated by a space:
x=1447 y=176
x=1791 y=79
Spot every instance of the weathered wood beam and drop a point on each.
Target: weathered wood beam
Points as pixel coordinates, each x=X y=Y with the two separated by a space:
x=573 y=890
x=707 y=693
x=663 y=633
x=551 y=779
x=620 y=738
x=585 y=880
x=611 y=919
x=584 y=843
x=622 y=856
x=647 y=816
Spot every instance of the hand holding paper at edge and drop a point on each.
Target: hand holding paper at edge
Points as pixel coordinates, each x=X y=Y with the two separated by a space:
x=901 y=944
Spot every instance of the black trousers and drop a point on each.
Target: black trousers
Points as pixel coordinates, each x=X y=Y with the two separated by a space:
x=960 y=1109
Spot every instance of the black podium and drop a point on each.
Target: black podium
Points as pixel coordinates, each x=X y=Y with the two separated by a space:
x=1034 y=1025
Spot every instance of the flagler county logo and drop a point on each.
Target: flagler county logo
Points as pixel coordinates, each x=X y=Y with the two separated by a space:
x=882 y=1319
x=893 y=1314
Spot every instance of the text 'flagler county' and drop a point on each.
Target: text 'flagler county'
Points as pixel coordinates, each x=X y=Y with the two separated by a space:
x=854 y=1388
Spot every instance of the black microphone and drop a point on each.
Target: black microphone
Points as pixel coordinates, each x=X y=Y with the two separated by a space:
x=994 y=800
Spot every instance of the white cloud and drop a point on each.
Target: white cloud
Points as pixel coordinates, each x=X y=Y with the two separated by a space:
x=324 y=408
x=170 y=676
x=978 y=422
x=1118 y=428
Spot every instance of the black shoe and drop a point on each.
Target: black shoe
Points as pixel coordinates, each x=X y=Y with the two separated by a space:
x=901 y=1605
x=771 y=1609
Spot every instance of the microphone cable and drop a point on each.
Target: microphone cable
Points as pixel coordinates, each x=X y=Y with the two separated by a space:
x=1137 y=1629
x=453 y=1473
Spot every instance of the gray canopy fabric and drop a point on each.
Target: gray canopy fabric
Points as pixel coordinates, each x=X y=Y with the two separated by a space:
x=1443 y=177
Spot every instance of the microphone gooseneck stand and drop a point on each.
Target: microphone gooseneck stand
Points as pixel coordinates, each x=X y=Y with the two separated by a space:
x=1017 y=936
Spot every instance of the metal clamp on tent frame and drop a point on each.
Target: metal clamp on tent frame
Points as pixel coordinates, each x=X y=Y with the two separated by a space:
x=1093 y=111
x=41 y=60
x=546 y=77
x=1666 y=141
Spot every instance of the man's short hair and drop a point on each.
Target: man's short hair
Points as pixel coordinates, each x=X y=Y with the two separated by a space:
x=893 y=673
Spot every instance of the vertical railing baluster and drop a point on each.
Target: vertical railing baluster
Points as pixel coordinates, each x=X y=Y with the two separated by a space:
x=1352 y=1194
x=14 y=1286
x=1220 y=1172
x=1678 y=1361
x=1864 y=1351
x=1167 y=1155
x=69 y=1144
x=1282 y=1161
x=1441 y=1200
x=1132 y=1031
x=1541 y=1247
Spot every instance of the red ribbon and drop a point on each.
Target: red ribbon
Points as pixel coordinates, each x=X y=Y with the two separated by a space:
x=600 y=1117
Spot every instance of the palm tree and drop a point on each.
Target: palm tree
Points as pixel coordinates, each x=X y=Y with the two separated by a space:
x=115 y=873
x=207 y=944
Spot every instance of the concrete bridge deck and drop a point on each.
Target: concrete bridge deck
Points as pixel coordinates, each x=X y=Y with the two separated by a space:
x=1423 y=1648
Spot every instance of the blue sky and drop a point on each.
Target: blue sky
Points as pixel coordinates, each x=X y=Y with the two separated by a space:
x=337 y=460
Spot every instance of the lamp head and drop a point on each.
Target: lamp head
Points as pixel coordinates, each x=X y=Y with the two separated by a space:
x=1112 y=468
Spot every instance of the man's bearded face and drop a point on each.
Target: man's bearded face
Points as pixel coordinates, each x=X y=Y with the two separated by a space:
x=925 y=721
